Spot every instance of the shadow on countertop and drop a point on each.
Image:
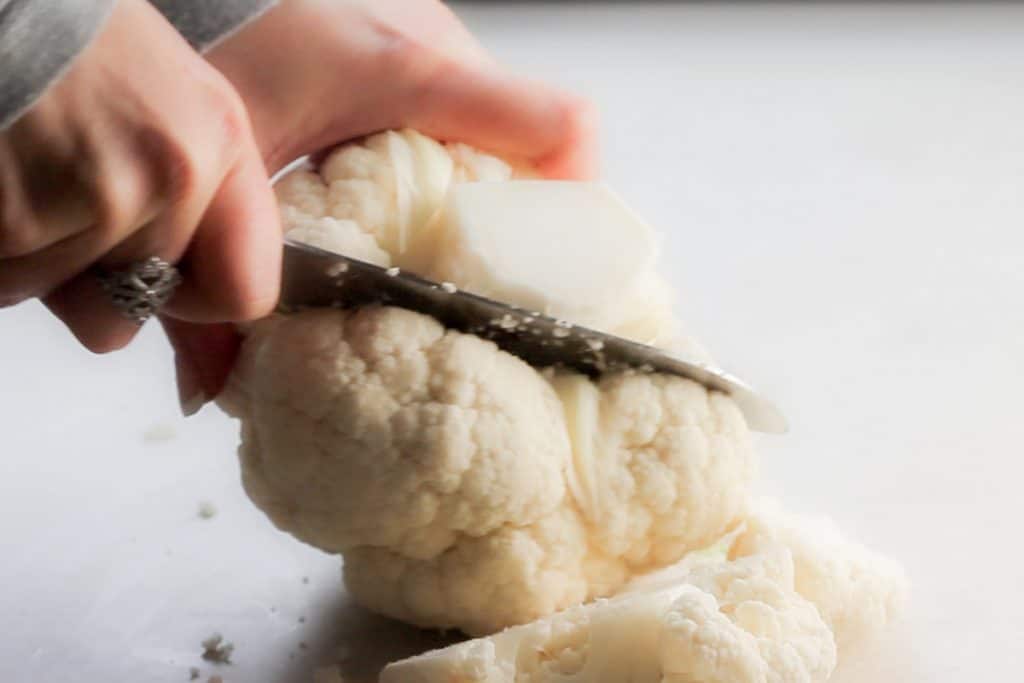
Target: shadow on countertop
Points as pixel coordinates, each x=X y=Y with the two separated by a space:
x=359 y=643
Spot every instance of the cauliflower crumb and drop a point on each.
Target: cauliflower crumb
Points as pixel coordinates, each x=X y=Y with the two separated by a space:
x=337 y=269
x=217 y=650
x=207 y=510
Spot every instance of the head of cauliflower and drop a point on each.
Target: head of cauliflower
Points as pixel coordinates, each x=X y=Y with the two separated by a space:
x=464 y=488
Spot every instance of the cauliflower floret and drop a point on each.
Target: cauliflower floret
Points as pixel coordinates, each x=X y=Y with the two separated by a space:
x=391 y=185
x=857 y=591
x=471 y=165
x=340 y=236
x=440 y=466
x=302 y=193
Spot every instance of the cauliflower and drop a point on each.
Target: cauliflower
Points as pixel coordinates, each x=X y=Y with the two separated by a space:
x=468 y=490
x=445 y=471
x=378 y=201
x=748 y=613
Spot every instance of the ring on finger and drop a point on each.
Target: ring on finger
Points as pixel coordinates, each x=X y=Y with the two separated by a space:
x=140 y=290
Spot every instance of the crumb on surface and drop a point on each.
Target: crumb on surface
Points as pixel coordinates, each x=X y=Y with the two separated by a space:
x=207 y=510
x=303 y=646
x=193 y=673
x=215 y=679
x=217 y=650
x=305 y=579
x=302 y=620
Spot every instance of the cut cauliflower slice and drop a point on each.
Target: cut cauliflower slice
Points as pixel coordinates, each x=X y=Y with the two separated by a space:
x=441 y=467
x=717 y=618
x=744 y=611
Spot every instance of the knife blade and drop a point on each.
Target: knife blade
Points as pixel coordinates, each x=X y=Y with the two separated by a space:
x=314 y=277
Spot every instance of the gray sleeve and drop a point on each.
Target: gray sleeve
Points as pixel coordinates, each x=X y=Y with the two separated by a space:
x=38 y=40
x=204 y=22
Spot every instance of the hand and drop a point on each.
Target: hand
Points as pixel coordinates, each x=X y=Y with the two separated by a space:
x=314 y=73
x=142 y=149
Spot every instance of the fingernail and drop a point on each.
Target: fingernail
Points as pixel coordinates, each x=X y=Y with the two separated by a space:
x=190 y=391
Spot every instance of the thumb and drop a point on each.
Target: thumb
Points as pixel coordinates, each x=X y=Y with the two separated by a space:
x=511 y=116
x=203 y=358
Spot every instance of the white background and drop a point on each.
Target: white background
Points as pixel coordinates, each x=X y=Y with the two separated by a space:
x=841 y=192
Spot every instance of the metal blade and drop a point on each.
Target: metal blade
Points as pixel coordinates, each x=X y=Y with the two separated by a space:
x=314 y=277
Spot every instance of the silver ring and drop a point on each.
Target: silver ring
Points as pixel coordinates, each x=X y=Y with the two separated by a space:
x=141 y=290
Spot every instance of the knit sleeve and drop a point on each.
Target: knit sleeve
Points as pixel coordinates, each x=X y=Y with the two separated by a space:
x=204 y=22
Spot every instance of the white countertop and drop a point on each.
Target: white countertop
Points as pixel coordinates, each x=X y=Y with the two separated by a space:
x=842 y=191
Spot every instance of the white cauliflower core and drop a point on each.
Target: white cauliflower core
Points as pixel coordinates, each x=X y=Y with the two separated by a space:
x=466 y=489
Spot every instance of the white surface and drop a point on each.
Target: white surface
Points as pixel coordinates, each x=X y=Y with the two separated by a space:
x=842 y=192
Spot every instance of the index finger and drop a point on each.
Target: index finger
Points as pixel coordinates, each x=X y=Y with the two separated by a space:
x=510 y=116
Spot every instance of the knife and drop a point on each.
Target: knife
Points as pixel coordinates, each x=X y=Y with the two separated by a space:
x=314 y=277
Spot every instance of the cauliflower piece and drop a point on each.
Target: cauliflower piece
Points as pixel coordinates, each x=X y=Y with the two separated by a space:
x=716 y=618
x=774 y=601
x=443 y=469
x=857 y=591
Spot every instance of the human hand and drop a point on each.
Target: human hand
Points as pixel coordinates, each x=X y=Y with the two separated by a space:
x=314 y=73
x=141 y=149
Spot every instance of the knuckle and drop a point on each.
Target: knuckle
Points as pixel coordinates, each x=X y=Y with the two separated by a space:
x=196 y=166
x=120 y=202
x=233 y=119
x=229 y=120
